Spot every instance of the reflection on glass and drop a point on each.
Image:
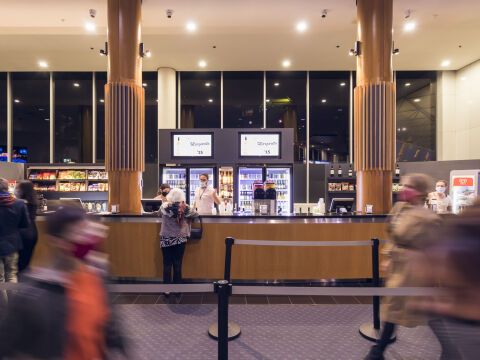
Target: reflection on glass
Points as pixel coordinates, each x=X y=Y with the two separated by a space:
x=329 y=104
x=200 y=99
x=243 y=99
x=31 y=115
x=416 y=115
x=73 y=117
x=286 y=105
x=100 y=81
x=3 y=116
x=151 y=116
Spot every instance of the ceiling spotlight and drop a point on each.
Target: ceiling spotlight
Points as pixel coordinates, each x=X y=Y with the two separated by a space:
x=102 y=101
x=16 y=101
x=207 y=84
x=416 y=100
x=144 y=84
x=407 y=84
x=324 y=101
x=276 y=84
x=144 y=52
x=398 y=129
x=356 y=50
x=210 y=100
x=324 y=13
x=404 y=129
x=286 y=63
x=42 y=64
x=148 y=53
x=302 y=26
x=47 y=119
x=191 y=26
x=343 y=84
x=445 y=63
x=202 y=63
x=76 y=84
x=250 y=123
x=267 y=100
x=104 y=52
x=90 y=26
x=409 y=26
x=396 y=51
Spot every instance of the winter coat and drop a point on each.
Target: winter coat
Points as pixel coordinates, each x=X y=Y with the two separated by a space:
x=410 y=229
x=13 y=218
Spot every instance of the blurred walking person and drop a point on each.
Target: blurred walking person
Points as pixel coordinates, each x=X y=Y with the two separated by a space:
x=409 y=228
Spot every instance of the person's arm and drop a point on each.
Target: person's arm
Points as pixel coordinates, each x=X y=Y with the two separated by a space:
x=215 y=197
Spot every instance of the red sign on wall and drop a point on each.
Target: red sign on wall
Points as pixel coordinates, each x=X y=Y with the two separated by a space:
x=463 y=181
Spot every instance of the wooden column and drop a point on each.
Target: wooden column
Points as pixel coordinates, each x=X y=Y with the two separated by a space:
x=124 y=107
x=374 y=109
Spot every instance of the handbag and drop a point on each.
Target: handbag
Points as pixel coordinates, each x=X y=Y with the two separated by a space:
x=196 y=232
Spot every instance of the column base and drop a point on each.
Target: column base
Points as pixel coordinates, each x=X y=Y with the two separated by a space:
x=374 y=187
x=125 y=191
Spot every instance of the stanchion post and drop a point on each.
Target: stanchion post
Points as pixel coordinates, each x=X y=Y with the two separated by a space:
x=228 y=257
x=376 y=283
x=224 y=290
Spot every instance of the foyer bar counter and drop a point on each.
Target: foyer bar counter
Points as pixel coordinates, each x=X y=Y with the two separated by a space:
x=134 y=251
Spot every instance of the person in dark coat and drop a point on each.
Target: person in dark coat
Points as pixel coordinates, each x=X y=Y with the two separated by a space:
x=26 y=192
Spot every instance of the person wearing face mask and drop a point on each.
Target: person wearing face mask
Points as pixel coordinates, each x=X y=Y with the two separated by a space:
x=205 y=197
x=439 y=200
x=163 y=192
x=409 y=227
x=63 y=311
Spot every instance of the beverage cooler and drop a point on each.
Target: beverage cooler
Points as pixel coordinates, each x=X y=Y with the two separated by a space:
x=281 y=176
x=176 y=177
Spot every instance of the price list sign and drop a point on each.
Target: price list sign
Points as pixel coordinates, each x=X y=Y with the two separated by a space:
x=260 y=145
x=192 y=145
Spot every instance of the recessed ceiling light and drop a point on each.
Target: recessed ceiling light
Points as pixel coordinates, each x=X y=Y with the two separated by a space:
x=286 y=63
x=342 y=84
x=268 y=100
x=144 y=84
x=16 y=100
x=76 y=84
x=409 y=26
x=398 y=129
x=210 y=100
x=148 y=53
x=202 y=63
x=191 y=26
x=463 y=78
x=42 y=64
x=404 y=129
x=280 y=121
x=416 y=100
x=47 y=119
x=407 y=84
x=276 y=84
x=90 y=26
x=324 y=101
x=302 y=26
x=445 y=63
x=207 y=84
x=250 y=123
x=102 y=101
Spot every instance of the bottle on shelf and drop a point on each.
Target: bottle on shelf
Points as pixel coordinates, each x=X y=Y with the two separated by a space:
x=332 y=171
x=350 y=171
x=339 y=172
x=397 y=171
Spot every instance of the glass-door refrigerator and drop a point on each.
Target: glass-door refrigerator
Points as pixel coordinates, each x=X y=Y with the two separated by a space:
x=246 y=177
x=194 y=180
x=281 y=176
x=176 y=177
x=225 y=185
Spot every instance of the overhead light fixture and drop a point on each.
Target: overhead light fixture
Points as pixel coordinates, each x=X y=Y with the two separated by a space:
x=75 y=84
x=148 y=53
x=207 y=84
x=398 y=129
x=144 y=84
x=202 y=63
x=144 y=52
x=407 y=84
x=47 y=119
x=445 y=63
x=286 y=63
x=276 y=84
x=90 y=26
x=302 y=26
x=409 y=26
x=210 y=100
x=395 y=51
x=356 y=50
x=157 y=100
x=416 y=100
x=267 y=100
x=16 y=101
x=324 y=101
x=102 y=101
x=404 y=129
x=342 y=84
x=191 y=26
x=42 y=64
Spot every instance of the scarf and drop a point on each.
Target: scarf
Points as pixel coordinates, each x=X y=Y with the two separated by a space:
x=177 y=211
x=6 y=199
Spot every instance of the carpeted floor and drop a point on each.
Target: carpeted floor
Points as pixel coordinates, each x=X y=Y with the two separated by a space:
x=274 y=332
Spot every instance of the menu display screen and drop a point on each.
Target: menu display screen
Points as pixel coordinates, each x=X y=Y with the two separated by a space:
x=260 y=145
x=192 y=145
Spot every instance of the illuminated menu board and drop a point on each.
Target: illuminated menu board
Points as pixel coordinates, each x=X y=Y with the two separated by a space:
x=260 y=145
x=192 y=145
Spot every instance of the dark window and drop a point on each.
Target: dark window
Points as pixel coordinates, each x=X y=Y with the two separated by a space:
x=286 y=105
x=329 y=104
x=100 y=81
x=151 y=116
x=73 y=116
x=200 y=99
x=416 y=115
x=243 y=99
x=3 y=116
x=31 y=115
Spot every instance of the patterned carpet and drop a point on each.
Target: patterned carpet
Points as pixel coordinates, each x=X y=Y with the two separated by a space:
x=273 y=332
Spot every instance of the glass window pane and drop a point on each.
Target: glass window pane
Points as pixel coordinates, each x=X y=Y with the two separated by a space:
x=286 y=105
x=416 y=115
x=243 y=99
x=200 y=99
x=73 y=116
x=31 y=116
x=329 y=103
x=100 y=81
x=3 y=116
x=151 y=116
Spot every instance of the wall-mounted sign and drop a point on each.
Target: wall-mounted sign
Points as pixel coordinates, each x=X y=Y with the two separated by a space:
x=260 y=144
x=192 y=145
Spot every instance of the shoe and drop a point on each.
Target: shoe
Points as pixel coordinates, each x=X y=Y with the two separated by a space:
x=375 y=353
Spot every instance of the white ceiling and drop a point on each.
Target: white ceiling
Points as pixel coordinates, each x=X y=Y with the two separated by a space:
x=248 y=34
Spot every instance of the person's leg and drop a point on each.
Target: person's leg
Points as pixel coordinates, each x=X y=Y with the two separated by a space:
x=11 y=268
x=177 y=263
x=376 y=351
x=167 y=264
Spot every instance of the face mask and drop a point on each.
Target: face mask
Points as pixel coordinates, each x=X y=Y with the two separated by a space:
x=203 y=184
x=440 y=189
x=408 y=194
x=81 y=250
x=164 y=193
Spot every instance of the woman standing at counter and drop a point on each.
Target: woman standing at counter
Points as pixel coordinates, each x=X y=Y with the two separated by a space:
x=176 y=217
x=205 y=197
x=438 y=199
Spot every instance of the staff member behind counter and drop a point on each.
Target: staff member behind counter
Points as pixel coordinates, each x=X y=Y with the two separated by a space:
x=438 y=200
x=205 y=197
x=163 y=192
